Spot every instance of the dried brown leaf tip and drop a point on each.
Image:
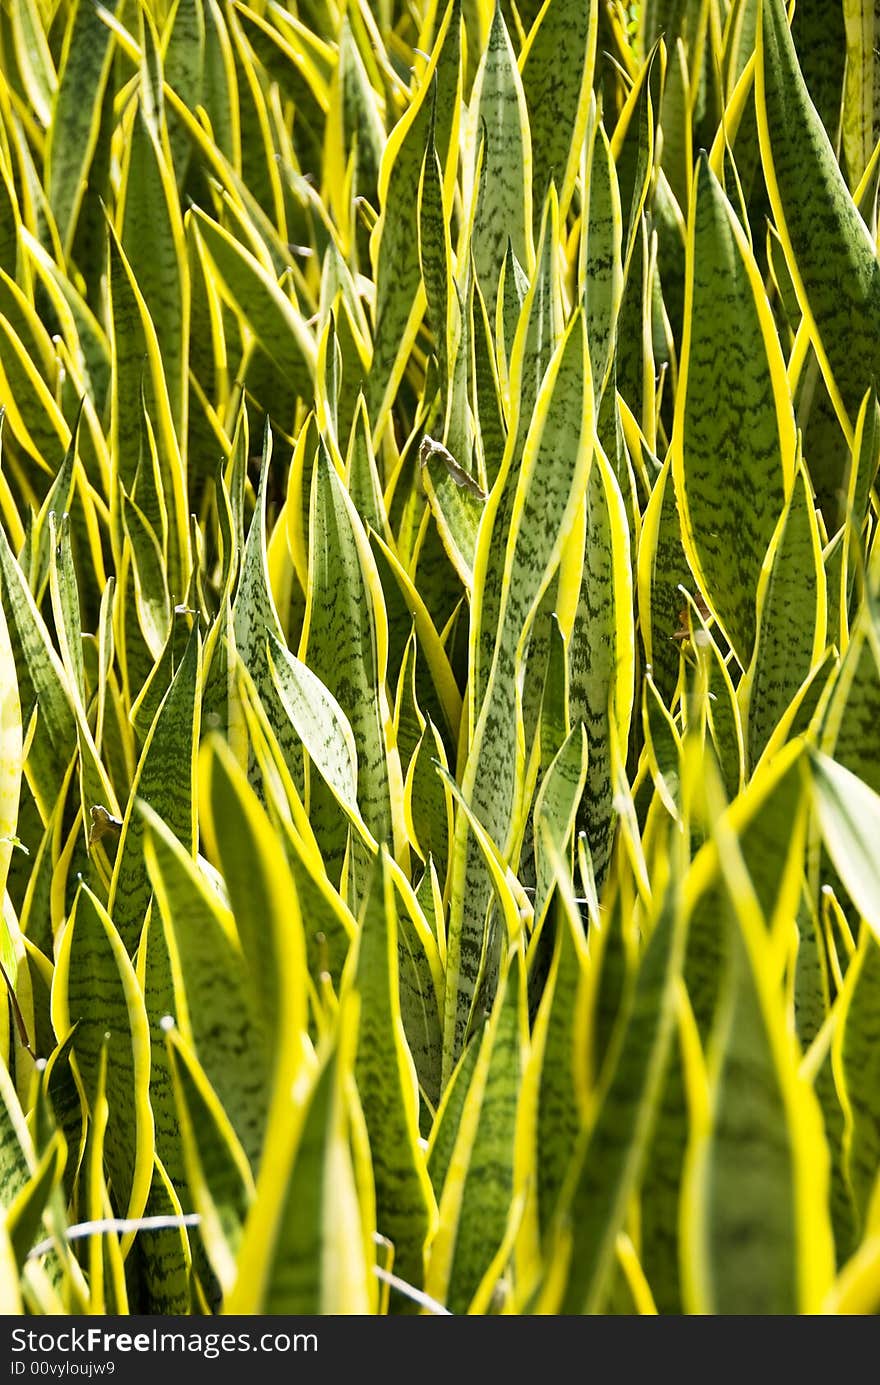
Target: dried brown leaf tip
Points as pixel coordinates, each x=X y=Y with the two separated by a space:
x=683 y=631
x=104 y=824
x=431 y=449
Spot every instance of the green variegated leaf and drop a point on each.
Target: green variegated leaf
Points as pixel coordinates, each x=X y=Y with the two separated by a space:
x=216 y=1004
x=610 y=1152
x=556 y=808
x=479 y=1198
x=11 y=751
x=557 y=75
x=76 y=112
x=306 y=1210
x=152 y=228
x=95 y=988
x=251 y=288
x=319 y=721
x=345 y=641
x=855 y=1059
x=504 y=186
x=558 y=1046
x=758 y=1109
x=830 y=255
x=791 y=619
x=849 y=813
x=386 y=1080
x=42 y=685
x=263 y=898
x=733 y=446
x=255 y=617
x=543 y=513
x=662 y=571
x=134 y=339
x=602 y=650
x=400 y=300
x=600 y=267
x=165 y=779
x=217 y=1169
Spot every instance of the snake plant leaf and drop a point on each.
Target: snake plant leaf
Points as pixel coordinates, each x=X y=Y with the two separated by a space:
x=25 y=1214
x=34 y=556
x=633 y=148
x=820 y=39
x=364 y=483
x=862 y=475
x=65 y=605
x=134 y=339
x=17 y=1156
x=95 y=988
x=394 y=250
x=427 y=802
x=557 y=66
x=543 y=513
x=536 y=331
x=164 y=1261
x=421 y=994
x=791 y=622
x=860 y=127
x=35 y=419
x=217 y=1169
x=215 y=1001
x=829 y=251
x=34 y=58
x=610 y=1152
x=554 y=721
x=662 y=572
x=660 y=1192
x=306 y=1201
x=361 y=116
x=76 y=110
x=11 y=751
x=106 y=1267
x=457 y=501
x=10 y=221
x=601 y=650
x=444 y=1129
x=504 y=207
x=255 y=617
x=556 y=808
x=847 y=721
x=165 y=779
x=854 y=1060
x=183 y=61
x=345 y=640
x=600 y=265
x=386 y=1080
x=319 y=721
x=220 y=84
x=757 y=1102
x=663 y=747
x=96 y=789
x=558 y=1038
x=262 y=895
x=481 y=1171
x=250 y=288
x=439 y=693
x=148 y=571
x=435 y=258
x=733 y=444
x=152 y=226
x=42 y=682
x=849 y=812
x=329 y=925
